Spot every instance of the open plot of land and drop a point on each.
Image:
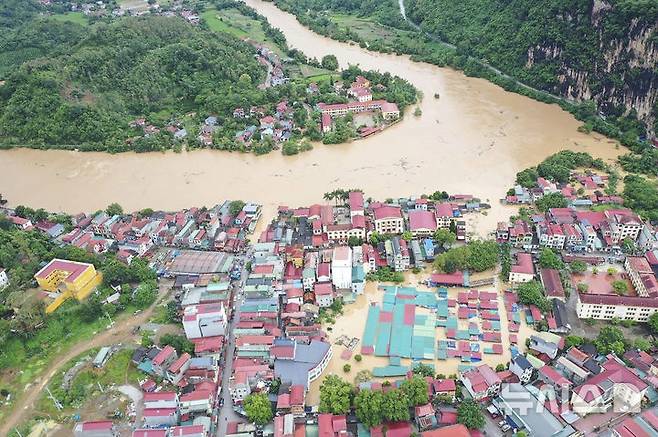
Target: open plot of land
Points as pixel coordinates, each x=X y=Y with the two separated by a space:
x=232 y=21
x=601 y=283
x=73 y=17
x=134 y=5
x=366 y=29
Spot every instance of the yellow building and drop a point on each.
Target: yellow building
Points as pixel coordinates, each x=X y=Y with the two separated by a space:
x=70 y=278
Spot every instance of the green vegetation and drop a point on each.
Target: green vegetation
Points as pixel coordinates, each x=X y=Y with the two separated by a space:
x=485 y=33
x=652 y=323
x=335 y=395
x=478 y=255
x=347 y=367
x=240 y=21
x=85 y=384
x=611 y=340
x=445 y=237
x=385 y=274
x=558 y=167
x=30 y=339
x=505 y=261
x=91 y=81
x=258 y=408
x=470 y=414
x=178 y=342
x=329 y=62
x=73 y=17
x=416 y=390
x=532 y=293
x=578 y=267
x=552 y=200
x=550 y=260
x=573 y=340
x=641 y=195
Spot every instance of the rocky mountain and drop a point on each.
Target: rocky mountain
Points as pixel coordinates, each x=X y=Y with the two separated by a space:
x=603 y=50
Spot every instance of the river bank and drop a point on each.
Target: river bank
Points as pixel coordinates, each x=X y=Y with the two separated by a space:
x=476 y=137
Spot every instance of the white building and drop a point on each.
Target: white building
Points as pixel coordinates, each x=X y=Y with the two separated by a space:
x=324 y=294
x=523 y=270
x=341 y=267
x=204 y=320
x=606 y=307
x=4 y=279
x=388 y=220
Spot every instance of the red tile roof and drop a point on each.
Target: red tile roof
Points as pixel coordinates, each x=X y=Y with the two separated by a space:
x=524 y=264
x=552 y=283
x=163 y=355
x=356 y=200
x=419 y=219
x=179 y=363
x=160 y=396
x=97 y=425
x=387 y=211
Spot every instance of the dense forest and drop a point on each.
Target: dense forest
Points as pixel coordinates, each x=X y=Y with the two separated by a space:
x=580 y=49
x=553 y=47
x=66 y=84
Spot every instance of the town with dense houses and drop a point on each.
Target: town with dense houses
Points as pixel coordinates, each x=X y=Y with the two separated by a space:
x=346 y=294
x=258 y=304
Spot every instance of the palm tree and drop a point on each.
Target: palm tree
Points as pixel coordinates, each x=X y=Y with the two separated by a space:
x=3 y=201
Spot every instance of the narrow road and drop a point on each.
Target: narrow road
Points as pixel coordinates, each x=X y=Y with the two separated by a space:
x=227 y=413
x=120 y=332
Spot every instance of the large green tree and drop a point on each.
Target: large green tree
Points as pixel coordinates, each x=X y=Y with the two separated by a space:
x=368 y=406
x=335 y=395
x=415 y=388
x=258 y=408
x=469 y=414
x=532 y=293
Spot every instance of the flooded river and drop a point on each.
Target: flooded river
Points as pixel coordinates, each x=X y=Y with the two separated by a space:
x=472 y=140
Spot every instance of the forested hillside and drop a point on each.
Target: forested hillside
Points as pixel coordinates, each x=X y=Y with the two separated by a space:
x=598 y=60
x=581 y=49
x=67 y=84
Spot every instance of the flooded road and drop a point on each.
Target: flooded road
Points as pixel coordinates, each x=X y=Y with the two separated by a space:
x=472 y=140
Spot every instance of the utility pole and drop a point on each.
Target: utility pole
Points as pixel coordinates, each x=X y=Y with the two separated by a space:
x=57 y=403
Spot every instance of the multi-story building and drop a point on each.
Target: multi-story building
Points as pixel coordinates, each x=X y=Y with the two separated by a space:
x=356 y=203
x=606 y=307
x=615 y=384
x=481 y=382
x=341 y=267
x=621 y=224
x=551 y=235
x=388 y=220
x=523 y=270
x=444 y=215
x=422 y=223
x=397 y=254
x=642 y=276
x=204 y=320
x=520 y=234
x=4 y=278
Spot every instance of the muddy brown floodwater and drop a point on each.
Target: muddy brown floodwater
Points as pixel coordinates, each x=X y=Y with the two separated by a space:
x=472 y=140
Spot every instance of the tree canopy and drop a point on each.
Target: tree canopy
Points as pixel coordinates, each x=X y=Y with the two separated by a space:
x=335 y=395
x=258 y=408
x=470 y=414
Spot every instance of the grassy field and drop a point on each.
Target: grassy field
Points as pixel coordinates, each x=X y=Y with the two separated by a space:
x=134 y=5
x=310 y=73
x=233 y=22
x=84 y=386
x=73 y=17
x=366 y=29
